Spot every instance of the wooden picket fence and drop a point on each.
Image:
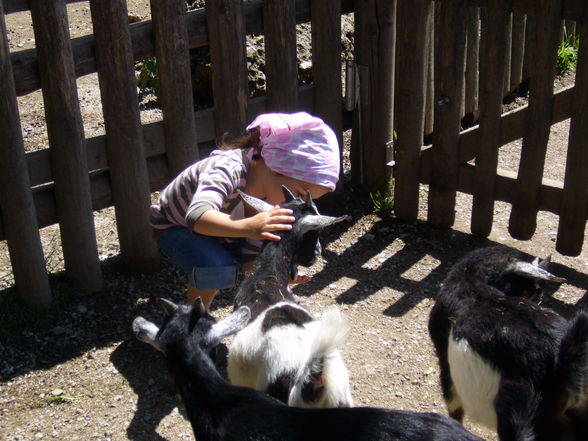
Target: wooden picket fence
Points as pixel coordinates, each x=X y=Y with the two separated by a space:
x=393 y=51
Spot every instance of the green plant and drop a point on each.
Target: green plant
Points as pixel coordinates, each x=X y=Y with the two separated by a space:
x=57 y=396
x=147 y=79
x=382 y=202
x=567 y=53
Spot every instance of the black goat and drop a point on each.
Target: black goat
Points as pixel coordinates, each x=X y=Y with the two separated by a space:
x=506 y=362
x=219 y=411
x=285 y=351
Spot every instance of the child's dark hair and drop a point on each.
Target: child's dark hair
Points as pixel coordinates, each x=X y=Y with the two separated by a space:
x=251 y=140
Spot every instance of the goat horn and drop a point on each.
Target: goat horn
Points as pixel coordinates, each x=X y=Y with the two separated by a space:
x=317 y=222
x=288 y=196
x=255 y=203
x=526 y=269
x=168 y=306
x=311 y=203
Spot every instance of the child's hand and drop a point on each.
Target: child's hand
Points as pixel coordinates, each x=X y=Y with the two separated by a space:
x=275 y=219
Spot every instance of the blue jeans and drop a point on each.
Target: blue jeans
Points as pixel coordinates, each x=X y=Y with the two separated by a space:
x=208 y=263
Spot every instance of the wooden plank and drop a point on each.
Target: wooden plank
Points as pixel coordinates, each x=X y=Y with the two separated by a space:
x=326 y=68
x=518 y=49
x=226 y=27
x=124 y=141
x=494 y=46
x=507 y=55
x=66 y=140
x=472 y=78
x=529 y=38
x=375 y=24
x=281 y=64
x=18 y=213
x=173 y=66
x=522 y=222
x=449 y=77
x=414 y=21
x=430 y=97
x=572 y=221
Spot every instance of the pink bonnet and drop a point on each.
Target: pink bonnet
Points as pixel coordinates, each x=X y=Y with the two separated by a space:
x=300 y=146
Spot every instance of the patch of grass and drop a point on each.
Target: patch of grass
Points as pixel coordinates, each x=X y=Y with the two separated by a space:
x=382 y=202
x=567 y=53
x=57 y=396
x=147 y=79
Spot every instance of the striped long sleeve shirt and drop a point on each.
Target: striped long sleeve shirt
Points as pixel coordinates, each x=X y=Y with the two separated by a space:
x=209 y=184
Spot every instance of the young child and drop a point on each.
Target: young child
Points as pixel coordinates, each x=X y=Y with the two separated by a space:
x=201 y=222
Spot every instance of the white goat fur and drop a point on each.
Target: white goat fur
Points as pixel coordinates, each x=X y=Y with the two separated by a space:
x=257 y=359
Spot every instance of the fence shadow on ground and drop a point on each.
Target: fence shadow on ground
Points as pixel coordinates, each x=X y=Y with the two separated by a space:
x=420 y=241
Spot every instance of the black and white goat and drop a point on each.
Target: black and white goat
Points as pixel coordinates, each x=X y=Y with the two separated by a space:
x=219 y=411
x=285 y=351
x=505 y=361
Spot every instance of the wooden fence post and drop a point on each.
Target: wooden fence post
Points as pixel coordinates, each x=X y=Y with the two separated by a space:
x=449 y=77
x=472 y=79
x=523 y=218
x=518 y=49
x=67 y=144
x=326 y=67
x=226 y=31
x=572 y=219
x=494 y=46
x=124 y=138
x=19 y=216
x=281 y=66
x=172 y=52
x=375 y=41
x=414 y=18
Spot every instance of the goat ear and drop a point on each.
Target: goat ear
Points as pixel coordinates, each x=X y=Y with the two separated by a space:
x=255 y=203
x=168 y=306
x=228 y=326
x=288 y=196
x=530 y=271
x=146 y=331
x=317 y=222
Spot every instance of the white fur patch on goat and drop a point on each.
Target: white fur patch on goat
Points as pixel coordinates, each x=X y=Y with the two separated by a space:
x=475 y=381
x=257 y=358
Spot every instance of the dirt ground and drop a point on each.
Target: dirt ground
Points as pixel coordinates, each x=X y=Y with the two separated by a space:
x=78 y=373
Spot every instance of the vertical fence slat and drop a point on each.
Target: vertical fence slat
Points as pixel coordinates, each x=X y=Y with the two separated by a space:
x=430 y=86
x=523 y=218
x=507 y=55
x=67 y=144
x=281 y=67
x=494 y=46
x=449 y=77
x=173 y=66
x=572 y=220
x=472 y=71
x=226 y=33
x=375 y=24
x=518 y=49
x=124 y=138
x=529 y=38
x=19 y=216
x=326 y=65
x=414 y=18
